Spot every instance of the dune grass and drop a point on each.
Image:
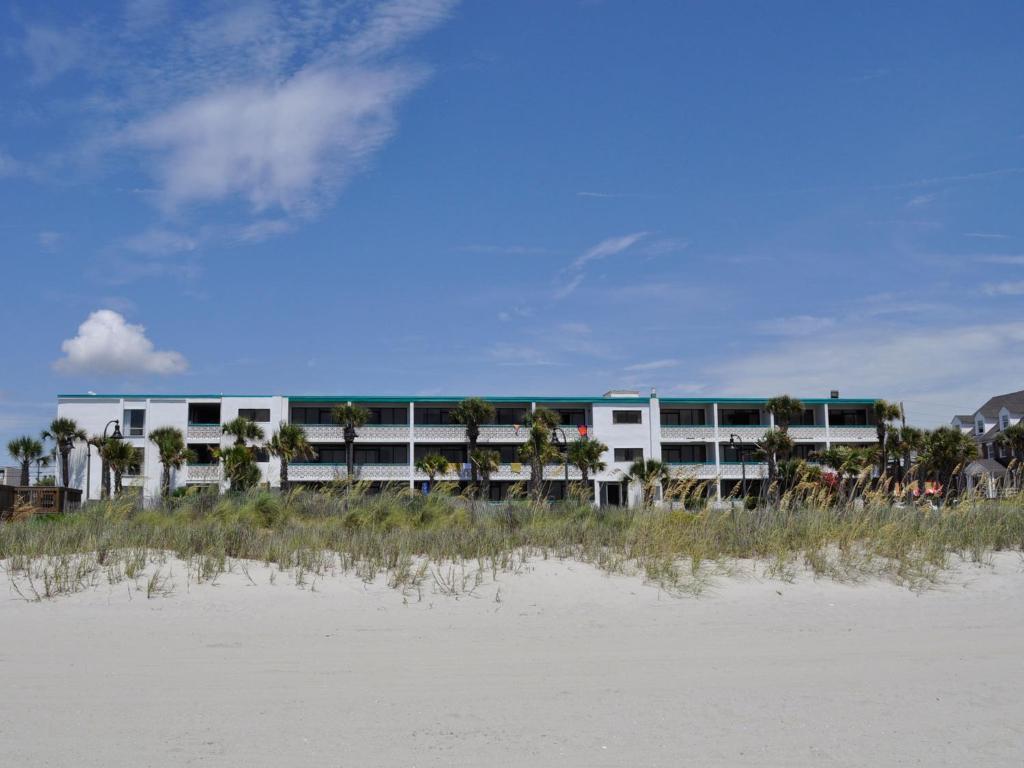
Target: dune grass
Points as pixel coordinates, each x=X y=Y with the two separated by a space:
x=446 y=542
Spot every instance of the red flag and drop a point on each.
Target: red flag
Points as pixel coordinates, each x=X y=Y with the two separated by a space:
x=582 y=430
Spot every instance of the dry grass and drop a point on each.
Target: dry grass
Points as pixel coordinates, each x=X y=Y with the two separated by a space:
x=440 y=542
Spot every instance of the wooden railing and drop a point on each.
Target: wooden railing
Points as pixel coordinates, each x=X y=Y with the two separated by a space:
x=40 y=499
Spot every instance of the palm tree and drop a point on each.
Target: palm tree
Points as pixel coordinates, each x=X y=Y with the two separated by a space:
x=784 y=408
x=647 y=473
x=64 y=432
x=122 y=458
x=243 y=430
x=774 y=446
x=98 y=442
x=25 y=450
x=586 y=455
x=240 y=468
x=946 y=451
x=847 y=462
x=485 y=462
x=288 y=444
x=1012 y=437
x=538 y=450
x=173 y=453
x=885 y=412
x=906 y=442
x=473 y=412
x=350 y=417
x=432 y=465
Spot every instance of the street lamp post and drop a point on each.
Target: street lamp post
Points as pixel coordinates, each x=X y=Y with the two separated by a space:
x=737 y=442
x=116 y=435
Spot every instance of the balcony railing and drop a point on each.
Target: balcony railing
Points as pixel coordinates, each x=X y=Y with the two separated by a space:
x=727 y=470
x=203 y=473
x=393 y=433
x=205 y=432
x=323 y=473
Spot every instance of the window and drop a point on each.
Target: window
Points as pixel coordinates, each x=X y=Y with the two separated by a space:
x=628 y=454
x=805 y=419
x=204 y=413
x=847 y=417
x=804 y=451
x=314 y=415
x=330 y=454
x=257 y=415
x=571 y=417
x=741 y=417
x=514 y=415
x=683 y=417
x=734 y=454
x=979 y=426
x=203 y=452
x=381 y=454
x=684 y=454
x=509 y=453
x=1004 y=421
x=261 y=454
x=134 y=422
x=456 y=454
x=135 y=468
x=388 y=416
x=627 y=417
x=433 y=415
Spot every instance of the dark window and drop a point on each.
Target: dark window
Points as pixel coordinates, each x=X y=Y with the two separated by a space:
x=731 y=453
x=805 y=419
x=381 y=454
x=261 y=454
x=433 y=415
x=456 y=454
x=680 y=454
x=741 y=417
x=571 y=417
x=256 y=415
x=509 y=453
x=628 y=454
x=203 y=452
x=314 y=415
x=803 y=451
x=388 y=416
x=134 y=422
x=683 y=417
x=204 y=413
x=627 y=417
x=514 y=415
x=847 y=417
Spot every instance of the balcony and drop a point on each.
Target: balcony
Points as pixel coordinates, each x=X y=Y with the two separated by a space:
x=728 y=470
x=202 y=473
x=324 y=473
x=862 y=434
x=204 y=432
x=701 y=433
x=456 y=433
x=333 y=433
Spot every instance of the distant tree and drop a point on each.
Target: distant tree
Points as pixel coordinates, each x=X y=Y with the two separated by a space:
x=123 y=459
x=486 y=462
x=432 y=465
x=472 y=413
x=240 y=468
x=1011 y=438
x=243 y=430
x=538 y=449
x=785 y=409
x=647 y=473
x=586 y=455
x=64 y=433
x=25 y=450
x=289 y=443
x=946 y=452
x=173 y=453
x=350 y=417
x=774 y=446
x=885 y=412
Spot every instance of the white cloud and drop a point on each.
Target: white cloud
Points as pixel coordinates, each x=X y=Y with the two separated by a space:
x=396 y=21
x=920 y=201
x=107 y=344
x=1006 y=288
x=986 y=235
x=606 y=248
x=799 y=325
x=49 y=241
x=938 y=371
x=282 y=145
x=654 y=365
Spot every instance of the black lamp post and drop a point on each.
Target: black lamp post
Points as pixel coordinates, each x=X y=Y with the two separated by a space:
x=737 y=442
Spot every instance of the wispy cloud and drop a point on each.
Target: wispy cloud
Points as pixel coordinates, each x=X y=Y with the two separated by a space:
x=606 y=248
x=49 y=240
x=158 y=242
x=921 y=201
x=1000 y=258
x=933 y=180
x=1007 y=288
x=654 y=365
x=986 y=235
x=798 y=325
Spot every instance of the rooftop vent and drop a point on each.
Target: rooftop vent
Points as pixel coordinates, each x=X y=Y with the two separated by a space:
x=834 y=394
x=622 y=393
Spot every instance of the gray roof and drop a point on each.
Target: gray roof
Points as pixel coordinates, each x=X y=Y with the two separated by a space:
x=1014 y=401
x=967 y=418
x=985 y=467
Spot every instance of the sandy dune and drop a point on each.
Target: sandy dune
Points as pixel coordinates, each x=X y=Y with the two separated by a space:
x=559 y=665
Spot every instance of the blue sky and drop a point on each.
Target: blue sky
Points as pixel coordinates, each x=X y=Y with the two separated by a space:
x=424 y=196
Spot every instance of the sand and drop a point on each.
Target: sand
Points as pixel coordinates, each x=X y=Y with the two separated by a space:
x=558 y=665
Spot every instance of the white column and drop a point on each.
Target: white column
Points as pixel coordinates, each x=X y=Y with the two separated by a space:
x=412 y=444
x=828 y=434
x=718 y=459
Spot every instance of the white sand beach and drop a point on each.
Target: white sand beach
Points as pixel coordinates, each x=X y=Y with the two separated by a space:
x=559 y=665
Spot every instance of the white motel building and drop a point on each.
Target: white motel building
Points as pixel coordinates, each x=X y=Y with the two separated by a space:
x=704 y=438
